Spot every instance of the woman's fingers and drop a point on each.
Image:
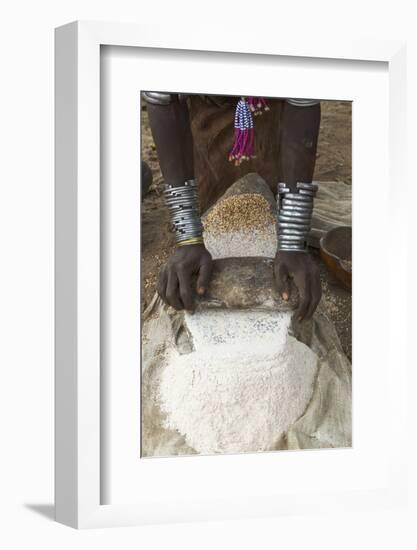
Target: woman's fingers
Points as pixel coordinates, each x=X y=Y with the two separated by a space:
x=303 y=283
x=282 y=280
x=185 y=290
x=176 y=277
x=204 y=276
x=172 y=292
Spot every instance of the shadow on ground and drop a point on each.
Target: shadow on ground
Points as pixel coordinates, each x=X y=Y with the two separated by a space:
x=45 y=510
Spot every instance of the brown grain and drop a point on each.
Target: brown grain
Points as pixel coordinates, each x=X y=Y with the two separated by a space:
x=247 y=211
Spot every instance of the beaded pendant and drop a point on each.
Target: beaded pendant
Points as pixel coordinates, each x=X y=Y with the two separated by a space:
x=244 y=144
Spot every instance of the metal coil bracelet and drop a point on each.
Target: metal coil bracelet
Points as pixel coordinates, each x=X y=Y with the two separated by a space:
x=295 y=210
x=183 y=206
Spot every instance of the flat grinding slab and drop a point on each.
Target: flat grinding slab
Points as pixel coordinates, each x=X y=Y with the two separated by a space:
x=245 y=283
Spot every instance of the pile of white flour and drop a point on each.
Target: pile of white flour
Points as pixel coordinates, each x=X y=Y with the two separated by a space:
x=244 y=384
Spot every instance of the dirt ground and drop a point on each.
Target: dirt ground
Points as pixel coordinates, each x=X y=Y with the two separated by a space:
x=334 y=162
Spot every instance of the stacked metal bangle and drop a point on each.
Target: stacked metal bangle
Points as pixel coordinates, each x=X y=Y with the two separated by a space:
x=184 y=211
x=295 y=210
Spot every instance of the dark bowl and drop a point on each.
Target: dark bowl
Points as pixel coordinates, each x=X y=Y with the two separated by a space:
x=336 y=253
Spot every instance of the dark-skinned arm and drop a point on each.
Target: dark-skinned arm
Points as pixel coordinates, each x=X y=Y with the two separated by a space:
x=299 y=137
x=170 y=126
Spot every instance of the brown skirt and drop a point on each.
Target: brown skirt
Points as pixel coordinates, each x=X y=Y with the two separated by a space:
x=212 y=120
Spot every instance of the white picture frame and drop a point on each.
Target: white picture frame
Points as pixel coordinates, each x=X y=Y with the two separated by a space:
x=79 y=408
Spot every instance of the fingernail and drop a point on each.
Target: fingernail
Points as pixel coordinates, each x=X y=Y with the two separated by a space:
x=285 y=296
x=201 y=291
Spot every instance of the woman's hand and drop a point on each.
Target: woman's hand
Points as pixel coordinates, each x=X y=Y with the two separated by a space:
x=175 y=279
x=300 y=268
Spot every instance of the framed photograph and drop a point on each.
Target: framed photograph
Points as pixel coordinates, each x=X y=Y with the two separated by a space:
x=226 y=344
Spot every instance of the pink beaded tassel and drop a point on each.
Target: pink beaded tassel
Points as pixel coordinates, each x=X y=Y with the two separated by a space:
x=244 y=145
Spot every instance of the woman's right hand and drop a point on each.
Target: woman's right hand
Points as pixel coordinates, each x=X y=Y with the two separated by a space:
x=175 y=279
